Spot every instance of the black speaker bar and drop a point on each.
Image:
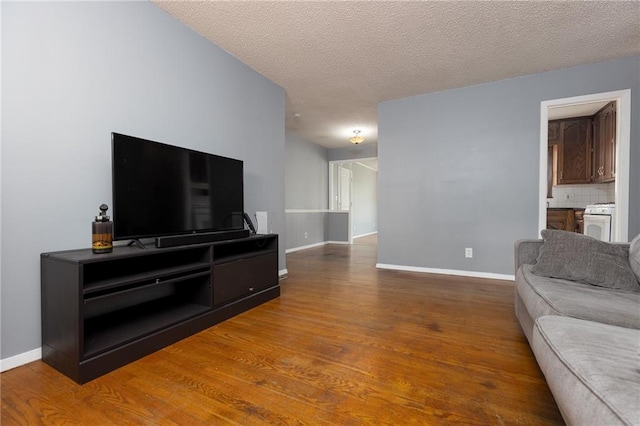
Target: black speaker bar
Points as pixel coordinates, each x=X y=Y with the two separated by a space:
x=209 y=237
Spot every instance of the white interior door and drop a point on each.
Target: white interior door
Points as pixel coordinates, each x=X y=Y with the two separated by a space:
x=344 y=199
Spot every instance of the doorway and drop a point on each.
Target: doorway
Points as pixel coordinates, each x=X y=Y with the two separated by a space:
x=623 y=135
x=353 y=190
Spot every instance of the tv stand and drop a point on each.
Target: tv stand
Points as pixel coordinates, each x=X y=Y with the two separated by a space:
x=102 y=311
x=136 y=242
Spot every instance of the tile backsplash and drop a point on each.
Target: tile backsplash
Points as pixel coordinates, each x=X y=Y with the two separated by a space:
x=578 y=196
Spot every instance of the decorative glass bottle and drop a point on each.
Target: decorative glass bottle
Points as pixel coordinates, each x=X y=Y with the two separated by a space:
x=102 y=232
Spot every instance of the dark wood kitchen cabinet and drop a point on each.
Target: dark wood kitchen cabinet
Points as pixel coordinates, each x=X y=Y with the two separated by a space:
x=604 y=144
x=561 y=219
x=579 y=218
x=568 y=219
x=553 y=132
x=574 y=151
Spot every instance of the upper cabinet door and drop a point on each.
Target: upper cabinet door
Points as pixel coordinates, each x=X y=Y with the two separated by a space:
x=604 y=155
x=554 y=132
x=574 y=151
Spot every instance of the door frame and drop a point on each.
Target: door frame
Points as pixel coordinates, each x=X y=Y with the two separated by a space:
x=345 y=173
x=623 y=145
x=332 y=186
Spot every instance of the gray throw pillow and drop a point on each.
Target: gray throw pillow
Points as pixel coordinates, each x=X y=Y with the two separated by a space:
x=578 y=257
x=634 y=256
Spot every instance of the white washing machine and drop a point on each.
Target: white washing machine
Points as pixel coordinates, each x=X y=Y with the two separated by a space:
x=599 y=221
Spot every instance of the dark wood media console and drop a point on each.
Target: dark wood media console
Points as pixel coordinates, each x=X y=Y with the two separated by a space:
x=102 y=311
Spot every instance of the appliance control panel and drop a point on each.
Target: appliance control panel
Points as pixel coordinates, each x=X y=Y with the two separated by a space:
x=599 y=209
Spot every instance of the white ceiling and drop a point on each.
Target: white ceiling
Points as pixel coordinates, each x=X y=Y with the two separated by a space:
x=338 y=59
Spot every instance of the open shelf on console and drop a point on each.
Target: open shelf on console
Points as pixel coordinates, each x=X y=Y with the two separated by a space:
x=117 y=282
x=123 y=271
x=255 y=246
x=117 y=328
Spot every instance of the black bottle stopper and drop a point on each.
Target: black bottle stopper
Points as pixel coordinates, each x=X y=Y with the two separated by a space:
x=102 y=216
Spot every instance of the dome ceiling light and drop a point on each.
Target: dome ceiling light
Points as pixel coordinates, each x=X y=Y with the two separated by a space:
x=356 y=139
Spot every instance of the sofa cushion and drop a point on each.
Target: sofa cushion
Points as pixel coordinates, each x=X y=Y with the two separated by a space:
x=634 y=256
x=591 y=369
x=551 y=296
x=578 y=257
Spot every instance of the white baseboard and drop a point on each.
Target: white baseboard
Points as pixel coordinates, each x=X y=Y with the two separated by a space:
x=36 y=354
x=472 y=274
x=291 y=250
x=20 y=359
x=365 y=235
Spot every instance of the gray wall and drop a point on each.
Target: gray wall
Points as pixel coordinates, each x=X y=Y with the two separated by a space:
x=306 y=189
x=352 y=152
x=74 y=72
x=306 y=228
x=460 y=168
x=338 y=227
x=365 y=200
x=306 y=174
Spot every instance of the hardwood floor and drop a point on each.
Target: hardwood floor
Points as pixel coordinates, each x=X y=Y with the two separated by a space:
x=345 y=344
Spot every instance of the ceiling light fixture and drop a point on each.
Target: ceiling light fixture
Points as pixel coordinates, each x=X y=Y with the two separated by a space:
x=357 y=138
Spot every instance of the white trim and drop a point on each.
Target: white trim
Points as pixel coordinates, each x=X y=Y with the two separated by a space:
x=307 y=211
x=332 y=193
x=283 y=272
x=366 y=166
x=324 y=243
x=353 y=160
x=542 y=176
x=623 y=154
x=472 y=274
x=365 y=235
x=20 y=359
x=1 y=133
x=314 y=211
x=623 y=147
x=291 y=250
x=350 y=217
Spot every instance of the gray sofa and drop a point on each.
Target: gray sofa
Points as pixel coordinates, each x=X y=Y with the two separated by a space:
x=585 y=336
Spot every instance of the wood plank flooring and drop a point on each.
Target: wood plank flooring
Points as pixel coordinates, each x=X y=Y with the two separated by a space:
x=345 y=344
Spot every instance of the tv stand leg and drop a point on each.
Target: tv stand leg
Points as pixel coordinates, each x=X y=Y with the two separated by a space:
x=137 y=243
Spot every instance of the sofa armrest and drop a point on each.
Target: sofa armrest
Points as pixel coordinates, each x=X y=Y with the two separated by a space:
x=526 y=252
x=623 y=246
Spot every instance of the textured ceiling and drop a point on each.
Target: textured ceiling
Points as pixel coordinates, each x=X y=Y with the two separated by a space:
x=338 y=59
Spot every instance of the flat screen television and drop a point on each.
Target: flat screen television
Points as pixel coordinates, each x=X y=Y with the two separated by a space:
x=164 y=190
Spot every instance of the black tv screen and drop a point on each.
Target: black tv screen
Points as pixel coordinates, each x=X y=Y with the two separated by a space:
x=160 y=189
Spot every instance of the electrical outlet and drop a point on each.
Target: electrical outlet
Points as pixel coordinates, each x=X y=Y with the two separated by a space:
x=306 y=235
x=468 y=252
